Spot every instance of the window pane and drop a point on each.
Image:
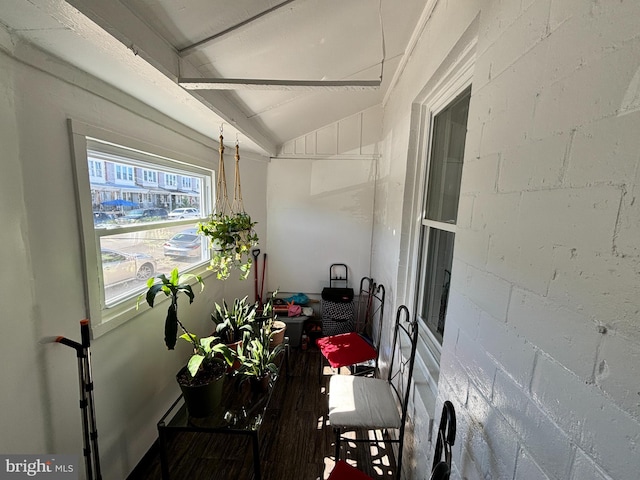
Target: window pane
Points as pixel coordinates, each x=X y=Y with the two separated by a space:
x=129 y=259
x=142 y=192
x=140 y=204
x=436 y=280
x=447 y=152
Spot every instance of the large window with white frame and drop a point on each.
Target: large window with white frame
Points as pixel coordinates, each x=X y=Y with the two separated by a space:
x=440 y=209
x=134 y=226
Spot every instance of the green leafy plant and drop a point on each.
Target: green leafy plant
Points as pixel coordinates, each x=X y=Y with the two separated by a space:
x=206 y=351
x=236 y=322
x=257 y=359
x=231 y=237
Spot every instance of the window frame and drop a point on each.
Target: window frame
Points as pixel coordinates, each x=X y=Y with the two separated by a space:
x=82 y=135
x=427 y=225
x=437 y=94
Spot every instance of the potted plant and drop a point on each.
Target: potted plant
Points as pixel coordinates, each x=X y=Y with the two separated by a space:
x=234 y=323
x=257 y=360
x=270 y=319
x=231 y=237
x=202 y=378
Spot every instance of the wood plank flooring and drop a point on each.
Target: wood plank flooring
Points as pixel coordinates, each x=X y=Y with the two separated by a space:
x=296 y=441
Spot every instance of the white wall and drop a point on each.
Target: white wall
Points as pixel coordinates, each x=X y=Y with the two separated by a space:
x=43 y=289
x=320 y=200
x=541 y=349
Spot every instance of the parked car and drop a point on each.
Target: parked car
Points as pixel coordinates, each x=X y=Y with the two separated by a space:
x=186 y=243
x=118 y=267
x=101 y=219
x=146 y=214
x=186 y=212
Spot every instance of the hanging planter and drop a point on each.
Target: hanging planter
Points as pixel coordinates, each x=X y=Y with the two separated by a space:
x=230 y=230
x=231 y=238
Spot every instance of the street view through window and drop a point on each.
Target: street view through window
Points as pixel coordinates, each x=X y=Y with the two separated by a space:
x=145 y=216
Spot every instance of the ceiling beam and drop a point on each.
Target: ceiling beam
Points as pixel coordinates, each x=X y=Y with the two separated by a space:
x=191 y=48
x=265 y=84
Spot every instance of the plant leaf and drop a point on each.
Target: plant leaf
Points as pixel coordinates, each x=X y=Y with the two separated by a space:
x=171 y=328
x=194 y=364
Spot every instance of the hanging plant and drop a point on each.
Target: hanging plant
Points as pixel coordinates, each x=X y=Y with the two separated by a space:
x=231 y=237
x=230 y=230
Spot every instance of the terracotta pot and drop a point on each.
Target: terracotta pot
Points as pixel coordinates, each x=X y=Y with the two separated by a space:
x=277 y=333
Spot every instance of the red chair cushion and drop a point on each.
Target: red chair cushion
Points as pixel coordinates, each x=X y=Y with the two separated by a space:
x=346 y=349
x=344 y=471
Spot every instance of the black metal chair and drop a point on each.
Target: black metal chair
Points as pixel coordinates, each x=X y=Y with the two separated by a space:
x=441 y=468
x=357 y=402
x=358 y=350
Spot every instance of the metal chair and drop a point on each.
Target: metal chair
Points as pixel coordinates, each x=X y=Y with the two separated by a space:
x=344 y=471
x=358 y=350
x=441 y=468
x=357 y=402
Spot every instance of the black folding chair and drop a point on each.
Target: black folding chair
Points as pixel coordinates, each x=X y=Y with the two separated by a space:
x=357 y=402
x=358 y=350
x=446 y=437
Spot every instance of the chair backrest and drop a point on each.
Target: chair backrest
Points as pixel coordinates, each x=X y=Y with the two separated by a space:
x=446 y=437
x=405 y=340
x=363 y=308
x=370 y=310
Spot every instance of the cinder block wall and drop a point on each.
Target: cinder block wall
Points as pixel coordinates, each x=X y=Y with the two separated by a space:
x=542 y=346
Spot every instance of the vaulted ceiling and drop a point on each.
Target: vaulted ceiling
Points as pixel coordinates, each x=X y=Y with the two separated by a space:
x=272 y=70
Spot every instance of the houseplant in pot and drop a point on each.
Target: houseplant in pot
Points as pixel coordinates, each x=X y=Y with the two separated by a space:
x=231 y=237
x=258 y=360
x=201 y=379
x=270 y=320
x=235 y=323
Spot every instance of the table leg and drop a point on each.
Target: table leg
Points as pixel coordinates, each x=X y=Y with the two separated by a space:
x=256 y=455
x=164 y=461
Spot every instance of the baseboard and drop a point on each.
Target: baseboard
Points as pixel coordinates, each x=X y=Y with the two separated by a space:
x=145 y=462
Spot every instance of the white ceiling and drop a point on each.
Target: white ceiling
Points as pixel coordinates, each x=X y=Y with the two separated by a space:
x=144 y=47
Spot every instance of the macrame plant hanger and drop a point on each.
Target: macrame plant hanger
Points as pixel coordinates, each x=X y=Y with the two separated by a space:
x=222 y=200
x=237 y=206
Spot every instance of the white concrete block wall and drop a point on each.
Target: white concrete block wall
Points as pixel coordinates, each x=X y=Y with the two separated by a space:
x=542 y=346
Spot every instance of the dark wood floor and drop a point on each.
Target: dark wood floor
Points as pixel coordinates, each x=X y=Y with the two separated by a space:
x=296 y=439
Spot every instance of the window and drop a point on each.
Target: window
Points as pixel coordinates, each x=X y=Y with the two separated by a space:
x=150 y=176
x=440 y=210
x=124 y=173
x=186 y=183
x=129 y=235
x=170 y=180
x=96 y=172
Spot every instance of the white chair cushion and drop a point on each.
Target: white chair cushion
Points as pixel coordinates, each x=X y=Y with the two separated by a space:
x=362 y=402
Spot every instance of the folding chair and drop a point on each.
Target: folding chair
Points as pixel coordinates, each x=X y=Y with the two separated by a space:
x=441 y=468
x=357 y=402
x=344 y=471
x=358 y=350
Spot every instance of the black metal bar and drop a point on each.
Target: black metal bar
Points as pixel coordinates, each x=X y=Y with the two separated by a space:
x=85 y=336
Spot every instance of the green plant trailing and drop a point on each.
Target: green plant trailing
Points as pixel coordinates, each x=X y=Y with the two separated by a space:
x=231 y=237
x=206 y=360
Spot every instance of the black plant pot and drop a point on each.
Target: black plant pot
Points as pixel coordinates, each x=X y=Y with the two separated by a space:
x=202 y=400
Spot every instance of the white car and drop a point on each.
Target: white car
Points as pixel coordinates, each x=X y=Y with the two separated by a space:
x=185 y=213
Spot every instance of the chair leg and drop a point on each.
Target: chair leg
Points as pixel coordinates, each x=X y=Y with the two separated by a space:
x=338 y=435
x=321 y=369
x=400 y=448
